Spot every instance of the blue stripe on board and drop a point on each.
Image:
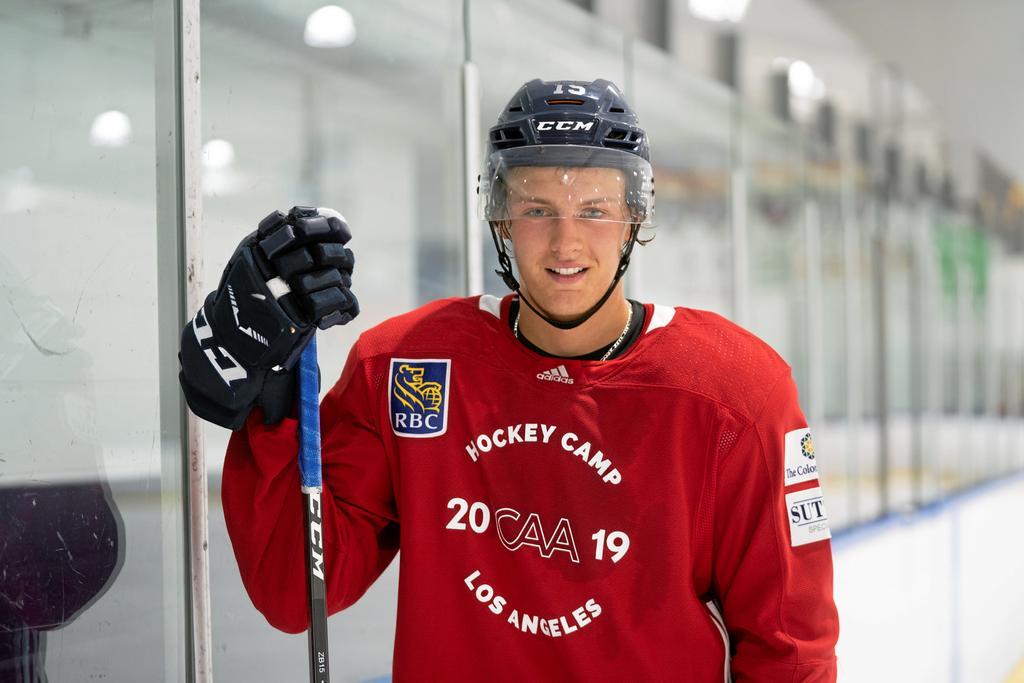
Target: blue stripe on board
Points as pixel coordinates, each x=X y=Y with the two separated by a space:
x=850 y=535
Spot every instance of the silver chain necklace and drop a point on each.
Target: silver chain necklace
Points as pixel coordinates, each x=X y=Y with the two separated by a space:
x=611 y=349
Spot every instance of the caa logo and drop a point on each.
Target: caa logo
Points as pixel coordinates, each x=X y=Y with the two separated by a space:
x=564 y=125
x=419 y=397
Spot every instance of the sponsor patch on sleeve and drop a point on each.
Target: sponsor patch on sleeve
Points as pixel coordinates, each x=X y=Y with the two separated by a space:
x=418 y=396
x=808 y=521
x=800 y=463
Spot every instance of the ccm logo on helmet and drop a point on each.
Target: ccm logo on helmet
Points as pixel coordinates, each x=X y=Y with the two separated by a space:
x=565 y=125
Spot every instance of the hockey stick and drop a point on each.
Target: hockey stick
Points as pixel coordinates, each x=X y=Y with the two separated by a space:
x=312 y=484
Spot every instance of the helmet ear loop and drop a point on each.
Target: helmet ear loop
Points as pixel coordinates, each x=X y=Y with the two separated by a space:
x=627 y=250
x=504 y=260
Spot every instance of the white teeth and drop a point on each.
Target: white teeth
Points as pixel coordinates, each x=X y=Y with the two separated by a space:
x=566 y=271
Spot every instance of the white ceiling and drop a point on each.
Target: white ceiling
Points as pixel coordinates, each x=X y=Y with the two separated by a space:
x=803 y=30
x=967 y=56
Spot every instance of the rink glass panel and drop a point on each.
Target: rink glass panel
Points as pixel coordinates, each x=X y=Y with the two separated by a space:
x=956 y=327
x=928 y=356
x=899 y=310
x=860 y=499
x=826 y=404
x=1004 y=332
x=372 y=130
x=91 y=530
x=687 y=120
x=776 y=261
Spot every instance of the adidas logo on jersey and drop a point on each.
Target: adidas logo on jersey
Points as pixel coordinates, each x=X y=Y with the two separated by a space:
x=558 y=374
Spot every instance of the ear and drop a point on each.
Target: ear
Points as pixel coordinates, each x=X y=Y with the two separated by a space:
x=631 y=228
x=627 y=233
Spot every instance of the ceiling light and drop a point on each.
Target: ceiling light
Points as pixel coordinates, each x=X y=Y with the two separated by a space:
x=330 y=26
x=111 y=129
x=801 y=78
x=218 y=153
x=719 y=10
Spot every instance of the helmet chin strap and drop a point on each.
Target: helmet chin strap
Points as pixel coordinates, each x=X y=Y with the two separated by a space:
x=512 y=283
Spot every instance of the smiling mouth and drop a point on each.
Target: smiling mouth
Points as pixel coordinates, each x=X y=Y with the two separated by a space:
x=567 y=272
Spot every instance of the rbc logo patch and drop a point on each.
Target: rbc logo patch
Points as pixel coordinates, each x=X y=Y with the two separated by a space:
x=418 y=392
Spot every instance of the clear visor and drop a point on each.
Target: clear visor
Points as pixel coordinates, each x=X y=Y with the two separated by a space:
x=539 y=183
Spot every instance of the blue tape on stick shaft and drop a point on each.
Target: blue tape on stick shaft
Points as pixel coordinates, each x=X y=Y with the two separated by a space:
x=309 y=419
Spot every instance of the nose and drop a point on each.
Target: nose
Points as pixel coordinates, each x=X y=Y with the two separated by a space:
x=567 y=236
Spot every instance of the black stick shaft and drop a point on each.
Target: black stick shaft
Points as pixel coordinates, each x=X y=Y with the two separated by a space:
x=312 y=486
x=319 y=663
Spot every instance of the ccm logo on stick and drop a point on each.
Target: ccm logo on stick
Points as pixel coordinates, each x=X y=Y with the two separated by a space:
x=565 y=125
x=316 y=535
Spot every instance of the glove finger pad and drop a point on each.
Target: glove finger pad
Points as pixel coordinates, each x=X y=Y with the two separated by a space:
x=333 y=255
x=313 y=229
x=321 y=279
x=327 y=301
x=340 y=229
x=294 y=262
x=278 y=241
x=270 y=223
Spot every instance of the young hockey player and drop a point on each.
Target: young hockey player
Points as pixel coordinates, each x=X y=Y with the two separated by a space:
x=583 y=487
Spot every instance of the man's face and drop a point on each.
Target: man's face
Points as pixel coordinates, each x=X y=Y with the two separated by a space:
x=567 y=227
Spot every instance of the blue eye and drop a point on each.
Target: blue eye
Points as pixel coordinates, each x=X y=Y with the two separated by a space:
x=592 y=213
x=536 y=212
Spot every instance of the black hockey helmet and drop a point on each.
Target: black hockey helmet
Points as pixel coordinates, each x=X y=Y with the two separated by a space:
x=592 y=114
x=568 y=124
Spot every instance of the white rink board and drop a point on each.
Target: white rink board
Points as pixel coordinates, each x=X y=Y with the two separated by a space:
x=935 y=596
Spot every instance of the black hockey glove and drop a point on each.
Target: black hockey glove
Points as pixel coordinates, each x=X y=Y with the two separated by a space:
x=290 y=276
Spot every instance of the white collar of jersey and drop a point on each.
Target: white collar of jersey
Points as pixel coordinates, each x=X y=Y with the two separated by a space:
x=491 y=304
x=661 y=317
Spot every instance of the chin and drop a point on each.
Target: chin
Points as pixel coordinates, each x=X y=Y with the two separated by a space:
x=563 y=305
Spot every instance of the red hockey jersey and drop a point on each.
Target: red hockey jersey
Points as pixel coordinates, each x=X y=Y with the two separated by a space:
x=656 y=517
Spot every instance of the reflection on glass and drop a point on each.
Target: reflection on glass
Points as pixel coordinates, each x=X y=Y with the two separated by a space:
x=60 y=532
x=90 y=529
